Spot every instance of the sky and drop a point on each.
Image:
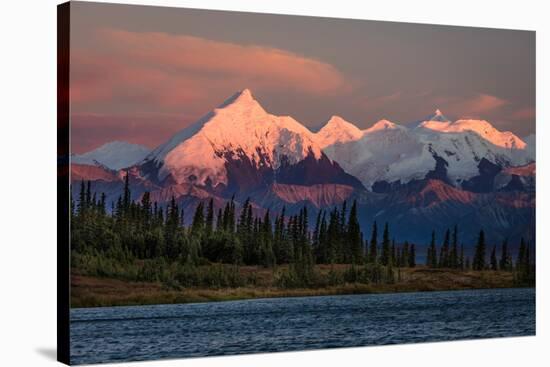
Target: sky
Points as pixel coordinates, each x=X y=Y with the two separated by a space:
x=142 y=73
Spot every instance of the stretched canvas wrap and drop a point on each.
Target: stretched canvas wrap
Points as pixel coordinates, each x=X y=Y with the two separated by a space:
x=237 y=183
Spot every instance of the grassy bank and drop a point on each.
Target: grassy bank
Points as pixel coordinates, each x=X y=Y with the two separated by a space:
x=91 y=291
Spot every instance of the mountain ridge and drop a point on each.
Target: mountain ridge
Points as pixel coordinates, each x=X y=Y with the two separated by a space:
x=433 y=172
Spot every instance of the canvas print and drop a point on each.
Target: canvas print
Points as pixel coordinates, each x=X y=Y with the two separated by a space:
x=248 y=183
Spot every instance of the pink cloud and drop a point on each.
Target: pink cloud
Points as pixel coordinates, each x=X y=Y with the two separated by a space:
x=483 y=103
x=527 y=113
x=477 y=106
x=166 y=70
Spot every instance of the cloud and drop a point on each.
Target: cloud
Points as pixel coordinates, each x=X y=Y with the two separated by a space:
x=165 y=70
x=527 y=113
x=480 y=105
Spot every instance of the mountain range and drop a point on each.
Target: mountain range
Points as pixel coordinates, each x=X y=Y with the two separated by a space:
x=426 y=175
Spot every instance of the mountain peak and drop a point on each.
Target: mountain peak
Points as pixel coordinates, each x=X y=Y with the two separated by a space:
x=382 y=125
x=437 y=116
x=238 y=129
x=337 y=130
x=483 y=128
x=243 y=97
x=114 y=155
x=337 y=121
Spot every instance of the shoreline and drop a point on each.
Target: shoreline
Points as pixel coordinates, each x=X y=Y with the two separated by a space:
x=299 y=295
x=89 y=292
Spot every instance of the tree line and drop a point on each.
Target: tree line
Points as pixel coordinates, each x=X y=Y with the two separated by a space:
x=451 y=256
x=144 y=230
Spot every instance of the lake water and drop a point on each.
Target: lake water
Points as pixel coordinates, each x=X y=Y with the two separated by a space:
x=286 y=324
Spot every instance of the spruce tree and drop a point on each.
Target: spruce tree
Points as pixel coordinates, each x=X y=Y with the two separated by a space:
x=393 y=255
x=198 y=220
x=94 y=202
x=373 y=246
x=82 y=199
x=385 y=256
x=494 y=265
x=72 y=207
x=88 y=195
x=146 y=207
x=210 y=216
x=479 y=256
x=405 y=254
x=126 y=195
x=266 y=235
x=354 y=235
x=453 y=255
x=333 y=237
x=102 y=208
x=219 y=221
x=505 y=263
x=315 y=236
x=282 y=242
x=412 y=256
x=245 y=233
x=322 y=250
x=342 y=221
x=225 y=217
x=444 y=251
x=431 y=258
x=342 y=250
x=397 y=257
x=461 y=263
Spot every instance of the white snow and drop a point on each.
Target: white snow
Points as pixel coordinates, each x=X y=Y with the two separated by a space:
x=386 y=151
x=382 y=125
x=392 y=152
x=504 y=139
x=114 y=155
x=337 y=131
x=240 y=126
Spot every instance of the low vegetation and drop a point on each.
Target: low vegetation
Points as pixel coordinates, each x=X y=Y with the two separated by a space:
x=260 y=282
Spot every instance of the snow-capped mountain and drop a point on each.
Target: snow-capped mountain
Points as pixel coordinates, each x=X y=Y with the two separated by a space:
x=436 y=116
x=388 y=152
x=337 y=131
x=503 y=139
x=382 y=125
x=113 y=156
x=418 y=176
x=239 y=145
x=385 y=152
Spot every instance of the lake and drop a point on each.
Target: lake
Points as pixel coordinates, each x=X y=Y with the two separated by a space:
x=114 y=334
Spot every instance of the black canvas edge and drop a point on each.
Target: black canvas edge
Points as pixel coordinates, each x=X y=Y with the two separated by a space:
x=63 y=181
